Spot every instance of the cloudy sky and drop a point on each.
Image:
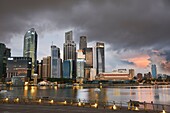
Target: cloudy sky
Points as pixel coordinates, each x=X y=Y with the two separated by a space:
x=135 y=32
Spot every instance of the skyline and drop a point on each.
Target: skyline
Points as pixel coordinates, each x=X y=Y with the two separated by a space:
x=135 y=32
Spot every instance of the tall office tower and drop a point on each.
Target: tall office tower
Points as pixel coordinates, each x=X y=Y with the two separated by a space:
x=46 y=73
x=69 y=47
x=70 y=50
x=30 y=48
x=99 y=57
x=83 y=42
x=55 y=62
x=80 y=64
x=154 y=71
x=4 y=54
x=89 y=57
x=89 y=62
x=68 y=69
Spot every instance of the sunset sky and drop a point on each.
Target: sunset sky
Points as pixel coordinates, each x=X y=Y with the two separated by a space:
x=136 y=32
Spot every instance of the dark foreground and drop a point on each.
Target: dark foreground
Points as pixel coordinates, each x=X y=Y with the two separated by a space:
x=19 y=108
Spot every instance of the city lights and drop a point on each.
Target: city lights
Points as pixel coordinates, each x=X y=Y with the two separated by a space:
x=163 y=111
x=79 y=103
x=65 y=102
x=114 y=107
x=39 y=100
x=17 y=100
x=136 y=108
x=95 y=105
x=6 y=99
x=52 y=101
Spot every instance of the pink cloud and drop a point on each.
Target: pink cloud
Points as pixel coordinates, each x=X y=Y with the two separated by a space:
x=140 y=61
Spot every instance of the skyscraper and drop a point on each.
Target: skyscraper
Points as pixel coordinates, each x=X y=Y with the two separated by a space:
x=83 y=42
x=68 y=69
x=4 y=54
x=46 y=72
x=88 y=62
x=154 y=71
x=99 y=57
x=30 y=47
x=70 y=51
x=69 y=47
x=55 y=62
x=89 y=57
x=80 y=64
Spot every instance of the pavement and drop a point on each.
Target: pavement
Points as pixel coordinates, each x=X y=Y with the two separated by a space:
x=25 y=108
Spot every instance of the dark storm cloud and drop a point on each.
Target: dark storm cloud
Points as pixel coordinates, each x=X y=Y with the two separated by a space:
x=127 y=62
x=125 y=24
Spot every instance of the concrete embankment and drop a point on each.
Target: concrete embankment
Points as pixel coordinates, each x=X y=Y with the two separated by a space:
x=22 y=108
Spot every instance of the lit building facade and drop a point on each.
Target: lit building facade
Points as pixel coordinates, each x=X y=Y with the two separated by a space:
x=19 y=66
x=55 y=62
x=30 y=48
x=121 y=74
x=83 y=42
x=154 y=71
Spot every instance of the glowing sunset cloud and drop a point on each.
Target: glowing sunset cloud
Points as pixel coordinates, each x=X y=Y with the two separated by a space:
x=141 y=61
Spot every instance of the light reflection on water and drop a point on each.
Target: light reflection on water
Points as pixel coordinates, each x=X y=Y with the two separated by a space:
x=119 y=94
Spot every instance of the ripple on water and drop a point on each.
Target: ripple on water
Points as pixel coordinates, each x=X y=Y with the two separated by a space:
x=10 y=112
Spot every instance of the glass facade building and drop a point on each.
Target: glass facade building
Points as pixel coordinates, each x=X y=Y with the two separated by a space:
x=70 y=51
x=154 y=71
x=55 y=62
x=30 y=47
x=67 y=69
x=80 y=64
x=89 y=57
x=80 y=68
x=100 y=57
x=69 y=47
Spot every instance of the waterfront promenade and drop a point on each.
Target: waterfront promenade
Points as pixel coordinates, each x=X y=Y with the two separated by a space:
x=20 y=108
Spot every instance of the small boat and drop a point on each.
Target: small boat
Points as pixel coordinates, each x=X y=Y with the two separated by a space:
x=97 y=90
x=3 y=91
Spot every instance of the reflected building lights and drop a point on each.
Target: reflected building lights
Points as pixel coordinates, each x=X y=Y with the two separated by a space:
x=33 y=91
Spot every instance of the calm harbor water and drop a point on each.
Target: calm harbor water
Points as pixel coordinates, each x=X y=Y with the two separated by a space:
x=159 y=95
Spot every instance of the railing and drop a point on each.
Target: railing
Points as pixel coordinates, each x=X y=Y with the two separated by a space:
x=131 y=105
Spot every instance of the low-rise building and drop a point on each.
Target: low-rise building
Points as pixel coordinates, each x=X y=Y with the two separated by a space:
x=19 y=66
x=121 y=74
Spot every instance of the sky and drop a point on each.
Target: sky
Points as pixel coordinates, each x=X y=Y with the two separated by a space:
x=135 y=32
